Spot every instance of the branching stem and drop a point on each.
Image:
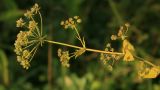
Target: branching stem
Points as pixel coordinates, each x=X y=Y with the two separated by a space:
x=145 y=61
x=87 y=49
x=79 y=38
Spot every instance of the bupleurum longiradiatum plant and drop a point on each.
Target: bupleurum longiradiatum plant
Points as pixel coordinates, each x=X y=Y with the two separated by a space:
x=28 y=41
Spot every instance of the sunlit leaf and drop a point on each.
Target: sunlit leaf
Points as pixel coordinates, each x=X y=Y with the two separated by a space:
x=153 y=73
x=127 y=46
x=128 y=50
x=128 y=56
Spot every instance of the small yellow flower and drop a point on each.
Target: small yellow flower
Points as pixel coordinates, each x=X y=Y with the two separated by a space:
x=70 y=19
x=26 y=54
x=21 y=39
x=120 y=33
x=66 y=26
x=59 y=52
x=35 y=8
x=25 y=64
x=32 y=25
x=20 y=23
x=76 y=17
x=66 y=22
x=108 y=45
x=28 y=14
x=62 y=23
x=79 y=20
x=19 y=58
x=113 y=37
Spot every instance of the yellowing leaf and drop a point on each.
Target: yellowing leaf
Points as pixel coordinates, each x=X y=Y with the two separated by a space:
x=127 y=49
x=127 y=46
x=153 y=73
x=128 y=56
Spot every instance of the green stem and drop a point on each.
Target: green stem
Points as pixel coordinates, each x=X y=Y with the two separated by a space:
x=145 y=61
x=87 y=49
x=79 y=38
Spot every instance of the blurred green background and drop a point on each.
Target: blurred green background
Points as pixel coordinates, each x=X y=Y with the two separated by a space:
x=100 y=19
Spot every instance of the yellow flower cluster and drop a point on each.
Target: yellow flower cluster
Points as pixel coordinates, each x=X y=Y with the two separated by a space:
x=32 y=25
x=27 y=43
x=34 y=10
x=121 y=33
x=71 y=22
x=20 y=23
x=22 y=54
x=109 y=59
x=64 y=57
x=127 y=47
x=105 y=58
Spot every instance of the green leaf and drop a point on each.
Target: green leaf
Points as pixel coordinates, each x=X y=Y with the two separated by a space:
x=10 y=4
x=4 y=67
x=2 y=87
x=9 y=15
